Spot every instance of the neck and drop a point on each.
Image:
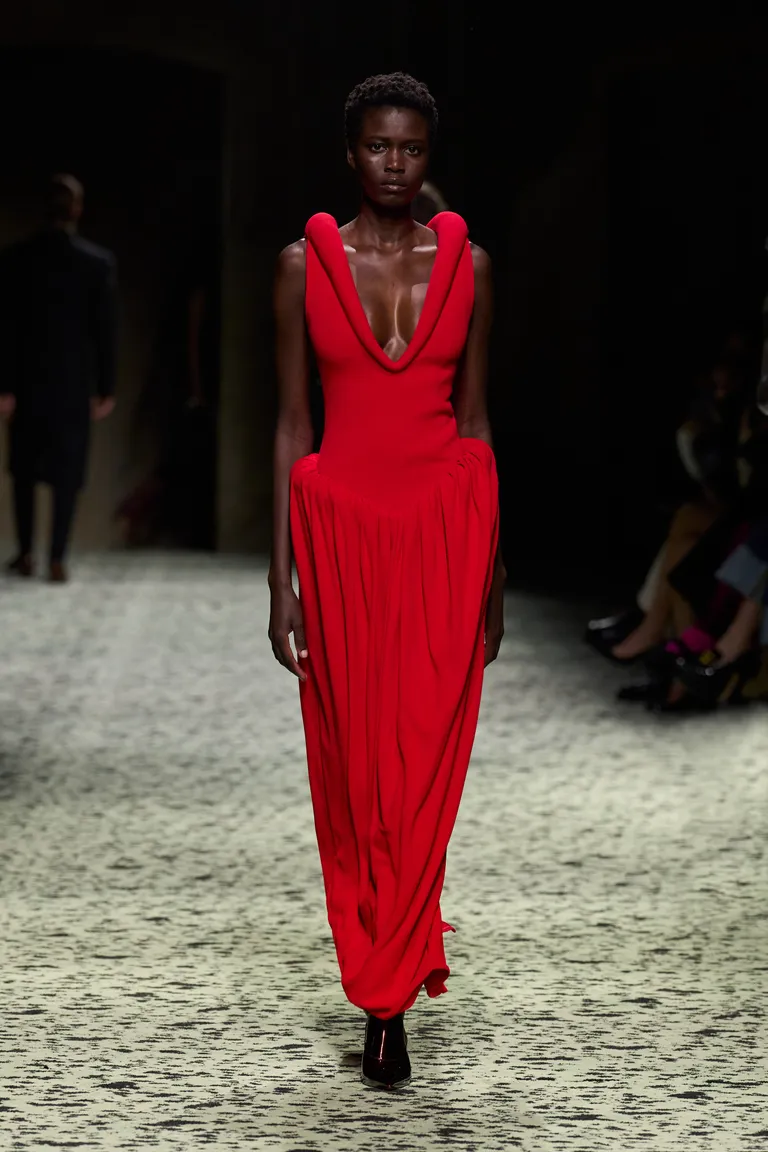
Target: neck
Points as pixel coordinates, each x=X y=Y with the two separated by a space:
x=384 y=227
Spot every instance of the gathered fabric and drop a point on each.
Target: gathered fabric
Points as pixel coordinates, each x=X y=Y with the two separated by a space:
x=394 y=526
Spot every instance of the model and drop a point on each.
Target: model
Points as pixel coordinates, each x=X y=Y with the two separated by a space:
x=393 y=525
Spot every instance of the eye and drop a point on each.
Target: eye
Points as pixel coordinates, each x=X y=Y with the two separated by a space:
x=413 y=150
x=376 y=146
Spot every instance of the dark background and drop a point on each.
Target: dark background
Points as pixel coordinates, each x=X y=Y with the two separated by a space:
x=589 y=377
x=143 y=134
x=616 y=173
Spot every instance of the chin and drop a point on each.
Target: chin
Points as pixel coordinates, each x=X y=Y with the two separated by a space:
x=394 y=199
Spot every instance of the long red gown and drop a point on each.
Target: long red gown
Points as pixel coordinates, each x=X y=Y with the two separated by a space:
x=394 y=526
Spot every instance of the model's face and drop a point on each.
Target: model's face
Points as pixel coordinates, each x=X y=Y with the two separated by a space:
x=391 y=155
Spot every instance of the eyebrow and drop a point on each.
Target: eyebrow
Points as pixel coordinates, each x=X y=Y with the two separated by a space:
x=390 y=139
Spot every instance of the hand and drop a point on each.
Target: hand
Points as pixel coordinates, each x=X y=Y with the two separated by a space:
x=494 y=616
x=102 y=406
x=7 y=405
x=286 y=617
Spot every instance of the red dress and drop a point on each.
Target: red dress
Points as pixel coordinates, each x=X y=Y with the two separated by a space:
x=394 y=526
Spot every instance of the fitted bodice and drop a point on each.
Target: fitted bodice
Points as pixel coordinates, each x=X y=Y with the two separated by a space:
x=389 y=424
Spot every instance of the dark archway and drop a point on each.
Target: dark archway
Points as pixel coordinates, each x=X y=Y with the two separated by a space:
x=144 y=134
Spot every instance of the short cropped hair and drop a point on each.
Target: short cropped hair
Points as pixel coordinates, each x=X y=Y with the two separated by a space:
x=396 y=90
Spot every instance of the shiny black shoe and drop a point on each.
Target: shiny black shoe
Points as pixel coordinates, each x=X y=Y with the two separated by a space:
x=718 y=683
x=650 y=692
x=614 y=629
x=385 y=1061
x=604 y=634
x=683 y=706
x=661 y=661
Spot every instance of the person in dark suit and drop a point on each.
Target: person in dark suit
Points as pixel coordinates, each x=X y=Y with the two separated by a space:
x=57 y=365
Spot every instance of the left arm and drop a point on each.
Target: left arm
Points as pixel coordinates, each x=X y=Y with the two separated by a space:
x=469 y=394
x=471 y=409
x=469 y=397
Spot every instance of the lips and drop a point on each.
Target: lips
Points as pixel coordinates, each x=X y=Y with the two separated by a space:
x=393 y=186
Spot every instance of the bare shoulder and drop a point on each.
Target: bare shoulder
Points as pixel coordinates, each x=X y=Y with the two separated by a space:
x=292 y=261
x=290 y=274
x=481 y=260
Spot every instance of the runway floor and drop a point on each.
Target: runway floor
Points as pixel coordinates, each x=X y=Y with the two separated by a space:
x=167 y=978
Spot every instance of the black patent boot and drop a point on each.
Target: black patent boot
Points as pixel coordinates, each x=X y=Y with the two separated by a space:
x=385 y=1056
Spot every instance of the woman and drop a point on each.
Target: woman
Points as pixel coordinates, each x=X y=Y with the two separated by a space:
x=707 y=449
x=722 y=669
x=715 y=657
x=394 y=527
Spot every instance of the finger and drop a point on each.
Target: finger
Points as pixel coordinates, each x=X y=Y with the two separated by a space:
x=284 y=653
x=300 y=641
x=284 y=656
x=492 y=646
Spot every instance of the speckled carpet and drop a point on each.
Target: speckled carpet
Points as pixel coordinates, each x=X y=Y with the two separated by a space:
x=167 y=979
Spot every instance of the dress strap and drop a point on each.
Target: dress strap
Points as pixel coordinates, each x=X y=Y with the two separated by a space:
x=322 y=233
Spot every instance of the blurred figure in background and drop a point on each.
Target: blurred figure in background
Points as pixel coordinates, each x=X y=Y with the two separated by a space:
x=707 y=446
x=722 y=578
x=428 y=203
x=57 y=365
x=729 y=663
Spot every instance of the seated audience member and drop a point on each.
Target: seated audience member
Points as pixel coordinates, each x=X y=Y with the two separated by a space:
x=737 y=656
x=719 y=656
x=706 y=445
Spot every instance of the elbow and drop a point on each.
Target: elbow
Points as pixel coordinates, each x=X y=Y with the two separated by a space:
x=475 y=429
x=296 y=430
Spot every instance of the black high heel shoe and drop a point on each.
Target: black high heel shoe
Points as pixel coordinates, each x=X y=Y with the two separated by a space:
x=661 y=660
x=655 y=695
x=603 y=635
x=385 y=1061
x=610 y=630
x=651 y=692
x=717 y=683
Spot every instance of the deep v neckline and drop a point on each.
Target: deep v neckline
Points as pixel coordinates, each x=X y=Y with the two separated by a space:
x=322 y=232
x=363 y=318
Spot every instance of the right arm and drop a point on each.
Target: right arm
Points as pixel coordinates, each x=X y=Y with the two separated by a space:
x=293 y=439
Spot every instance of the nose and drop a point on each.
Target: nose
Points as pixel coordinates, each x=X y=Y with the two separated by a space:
x=395 y=162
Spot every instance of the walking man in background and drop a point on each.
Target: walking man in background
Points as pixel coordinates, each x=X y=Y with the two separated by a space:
x=57 y=365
